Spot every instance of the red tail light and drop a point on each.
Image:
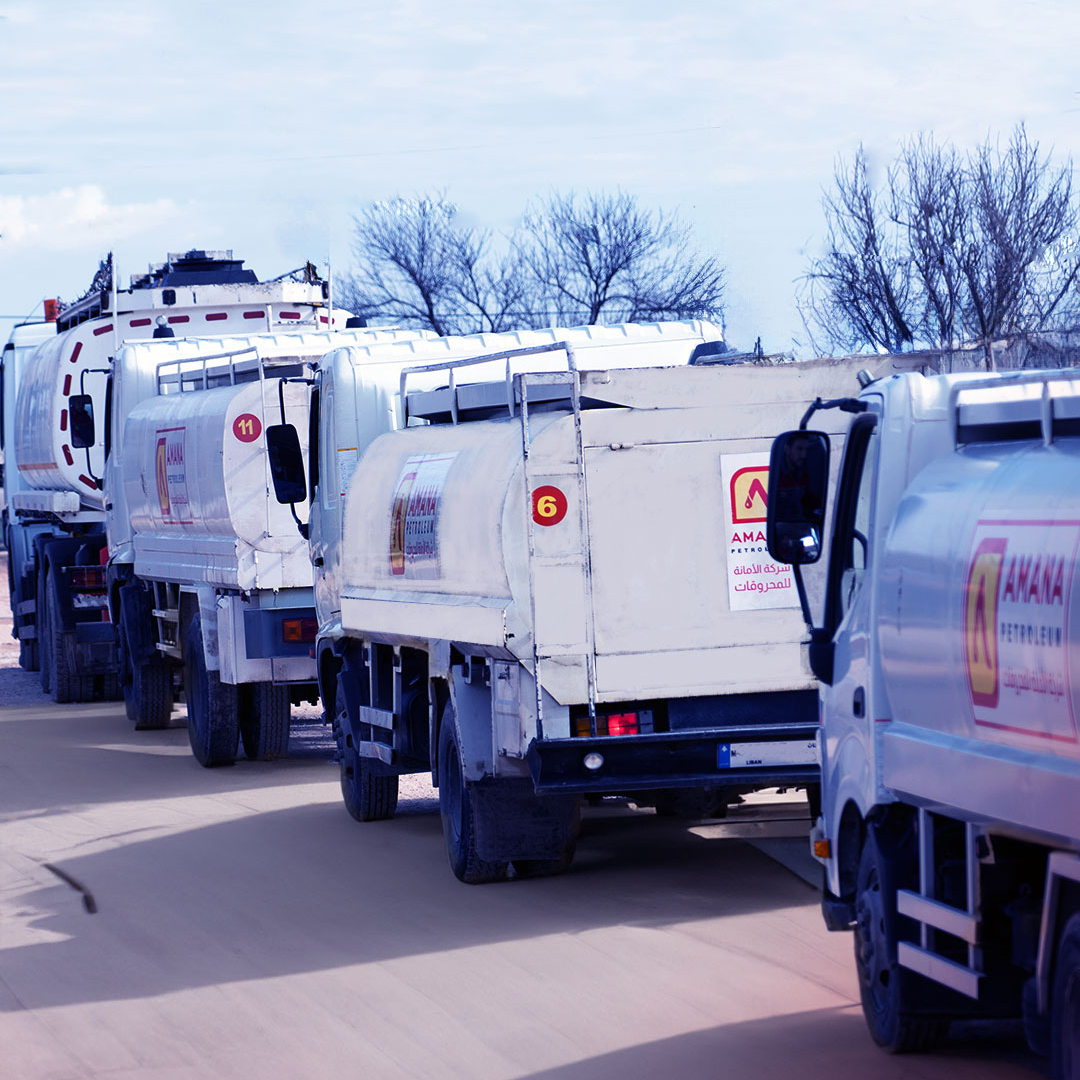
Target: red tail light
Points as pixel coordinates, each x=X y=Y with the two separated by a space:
x=299 y=630
x=624 y=723
x=88 y=578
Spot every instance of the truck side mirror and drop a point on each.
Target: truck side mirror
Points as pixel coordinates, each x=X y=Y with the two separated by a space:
x=798 y=484
x=81 y=415
x=286 y=463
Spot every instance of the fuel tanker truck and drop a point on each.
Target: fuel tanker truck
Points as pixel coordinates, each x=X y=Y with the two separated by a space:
x=949 y=662
x=553 y=584
x=56 y=447
x=208 y=577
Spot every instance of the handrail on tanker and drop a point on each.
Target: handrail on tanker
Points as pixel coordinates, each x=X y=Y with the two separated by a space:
x=1005 y=381
x=504 y=354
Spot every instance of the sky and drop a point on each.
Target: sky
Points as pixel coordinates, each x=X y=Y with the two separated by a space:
x=147 y=127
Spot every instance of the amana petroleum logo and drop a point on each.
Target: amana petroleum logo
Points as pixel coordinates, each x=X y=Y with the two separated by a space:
x=749 y=494
x=162 y=471
x=980 y=621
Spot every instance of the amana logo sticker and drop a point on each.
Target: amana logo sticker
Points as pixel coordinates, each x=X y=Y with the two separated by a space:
x=980 y=621
x=749 y=494
x=162 y=471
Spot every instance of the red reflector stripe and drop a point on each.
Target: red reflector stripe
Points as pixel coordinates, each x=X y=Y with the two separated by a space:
x=67 y=385
x=86 y=480
x=139 y=322
x=217 y=316
x=63 y=419
x=67 y=454
x=254 y=314
x=102 y=330
x=323 y=319
x=289 y=314
x=179 y=318
x=75 y=352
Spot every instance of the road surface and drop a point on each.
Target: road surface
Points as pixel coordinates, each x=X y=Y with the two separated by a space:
x=248 y=928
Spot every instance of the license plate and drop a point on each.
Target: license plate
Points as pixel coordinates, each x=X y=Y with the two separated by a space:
x=749 y=755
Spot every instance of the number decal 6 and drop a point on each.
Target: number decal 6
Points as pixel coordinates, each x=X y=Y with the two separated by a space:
x=548 y=505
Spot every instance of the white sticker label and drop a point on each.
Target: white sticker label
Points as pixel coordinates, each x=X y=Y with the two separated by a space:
x=347 y=457
x=755 y=580
x=170 y=467
x=414 y=516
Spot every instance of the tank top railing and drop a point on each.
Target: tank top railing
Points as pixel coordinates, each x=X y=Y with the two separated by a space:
x=1024 y=405
x=221 y=369
x=448 y=400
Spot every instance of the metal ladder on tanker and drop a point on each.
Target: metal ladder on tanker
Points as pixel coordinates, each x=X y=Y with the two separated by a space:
x=516 y=392
x=932 y=916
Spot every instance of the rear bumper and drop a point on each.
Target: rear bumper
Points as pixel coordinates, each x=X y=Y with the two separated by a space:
x=676 y=759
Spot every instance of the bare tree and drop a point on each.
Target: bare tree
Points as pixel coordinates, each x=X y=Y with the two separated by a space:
x=970 y=249
x=417 y=266
x=601 y=258
x=860 y=291
x=928 y=211
x=1021 y=262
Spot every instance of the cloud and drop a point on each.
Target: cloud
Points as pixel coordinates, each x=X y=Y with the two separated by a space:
x=76 y=216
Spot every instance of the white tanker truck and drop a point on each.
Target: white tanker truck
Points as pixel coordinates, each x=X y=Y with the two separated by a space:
x=949 y=661
x=56 y=447
x=555 y=585
x=207 y=571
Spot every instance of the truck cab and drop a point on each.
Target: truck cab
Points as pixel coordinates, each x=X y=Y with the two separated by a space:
x=947 y=650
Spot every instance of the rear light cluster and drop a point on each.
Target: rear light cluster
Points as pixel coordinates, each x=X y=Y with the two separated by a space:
x=621 y=723
x=299 y=630
x=88 y=587
x=88 y=578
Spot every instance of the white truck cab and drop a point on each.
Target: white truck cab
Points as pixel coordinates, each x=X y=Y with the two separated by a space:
x=948 y=653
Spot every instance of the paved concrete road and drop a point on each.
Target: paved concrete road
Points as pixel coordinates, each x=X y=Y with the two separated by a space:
x=248 y=928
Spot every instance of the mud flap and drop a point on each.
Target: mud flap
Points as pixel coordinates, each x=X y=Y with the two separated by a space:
x=513 y=822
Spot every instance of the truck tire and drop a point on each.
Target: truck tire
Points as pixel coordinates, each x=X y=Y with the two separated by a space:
x=213 y=726
x=369 y=795
x=264 y=721
x=148 y=696
x=881 y=980
x=458 y=811
x=64 y=681
x=1065 y=1005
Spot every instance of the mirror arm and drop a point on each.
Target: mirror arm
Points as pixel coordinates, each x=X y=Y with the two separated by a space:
x=851 y=405
x=804 y=602
x=302 y=527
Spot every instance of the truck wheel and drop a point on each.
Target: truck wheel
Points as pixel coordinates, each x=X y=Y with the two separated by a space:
x=1065 y=1005
x=65 y=682
x=148 y=696
x=881 y=984
x=369 y=795
x=264 y=721
x=213 y=727
x=458 y=810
